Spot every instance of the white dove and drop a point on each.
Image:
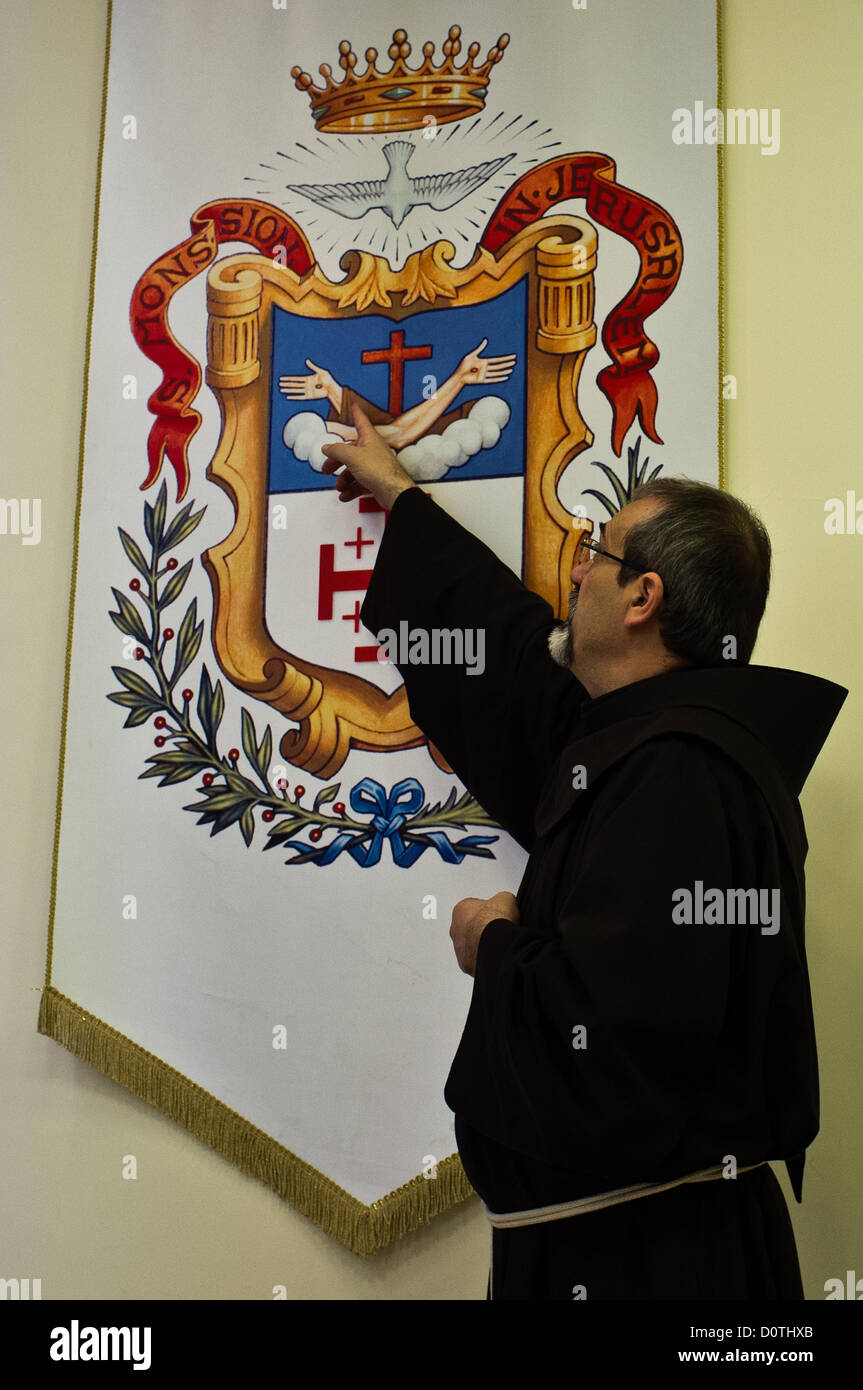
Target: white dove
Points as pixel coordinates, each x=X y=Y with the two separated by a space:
x=398 y=192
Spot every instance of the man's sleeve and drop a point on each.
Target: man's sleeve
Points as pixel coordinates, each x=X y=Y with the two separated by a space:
x=350 y=398
x=500 y=730
x=587 y=1047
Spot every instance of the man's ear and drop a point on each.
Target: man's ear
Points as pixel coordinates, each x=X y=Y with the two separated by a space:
x=640 y=600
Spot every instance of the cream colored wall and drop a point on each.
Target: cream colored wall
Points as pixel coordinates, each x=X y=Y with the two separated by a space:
x=192 y=1226
x=793 y=341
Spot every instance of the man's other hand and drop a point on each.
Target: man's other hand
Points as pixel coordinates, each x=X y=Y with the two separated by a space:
x=370 y=466
x=470 y=917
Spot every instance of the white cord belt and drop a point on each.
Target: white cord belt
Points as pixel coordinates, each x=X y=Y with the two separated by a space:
x=506 y=1219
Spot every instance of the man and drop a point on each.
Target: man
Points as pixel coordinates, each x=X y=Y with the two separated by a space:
x=640 y=1039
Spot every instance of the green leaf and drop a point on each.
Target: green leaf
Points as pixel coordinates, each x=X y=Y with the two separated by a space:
x=250 y=738
x=129 y=700
x=184 y=658
x=328 y=794
x=133 y=620
x=159 y=516
x=632 y=466
x=134 y=553
x=218 y=707
x=283 y=830
x=205 y=704
x=259 y=757
x=137 y=716
x=177 y=774
x=609 y=506
x=175 y=525
x=167 y=765
x=174 y=755
x=121 y=623
x=617 y=485
x=174 y=586
x=227 y=817
x=220 y=820
x=247 y=825
x=181 y=527
x=265 y=752
x=133 y=681
x=225 y=800
x=188 y=642
x=222 y=801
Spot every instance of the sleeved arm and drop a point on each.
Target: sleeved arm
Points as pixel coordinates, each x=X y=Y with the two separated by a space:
x=585 y=1045
x=501 y=730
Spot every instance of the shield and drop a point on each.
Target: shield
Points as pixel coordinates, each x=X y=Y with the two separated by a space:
x=471 y=373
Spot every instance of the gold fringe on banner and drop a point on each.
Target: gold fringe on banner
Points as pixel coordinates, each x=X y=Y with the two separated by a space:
x=359 y=1228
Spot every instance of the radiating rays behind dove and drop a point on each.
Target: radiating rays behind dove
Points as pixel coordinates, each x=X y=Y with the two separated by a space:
x=448 y=192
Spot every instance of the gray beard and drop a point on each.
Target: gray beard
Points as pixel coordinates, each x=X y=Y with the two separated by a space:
x=560 y=645
x=560 y=637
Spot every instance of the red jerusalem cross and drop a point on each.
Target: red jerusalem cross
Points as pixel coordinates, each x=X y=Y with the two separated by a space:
x=396 y=354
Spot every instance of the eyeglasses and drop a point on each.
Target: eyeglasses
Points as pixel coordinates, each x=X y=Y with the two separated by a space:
x=587 y=548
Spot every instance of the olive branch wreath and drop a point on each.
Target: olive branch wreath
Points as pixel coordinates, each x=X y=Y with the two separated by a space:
x=229 y=796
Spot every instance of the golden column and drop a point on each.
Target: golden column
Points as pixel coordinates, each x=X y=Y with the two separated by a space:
x=562 y=322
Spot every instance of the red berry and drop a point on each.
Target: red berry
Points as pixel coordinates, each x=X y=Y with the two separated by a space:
x=233 y=754
x=315 y=834
x=268 y=815
x=160 y=742
x=139 y=652
x=208 y=779
x=172 y=564
x=301 y=791
x=135 y=584
x=188 y=695
x=161 y=723
x=169 y=632
x=339 y=808
x=282 y=784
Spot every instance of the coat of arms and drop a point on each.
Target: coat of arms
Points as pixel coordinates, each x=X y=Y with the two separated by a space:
x=461 y=322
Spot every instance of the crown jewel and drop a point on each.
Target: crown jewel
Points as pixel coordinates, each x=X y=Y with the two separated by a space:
x=401 y=98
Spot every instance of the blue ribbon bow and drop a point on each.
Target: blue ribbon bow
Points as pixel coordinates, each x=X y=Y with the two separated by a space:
x=389 y=815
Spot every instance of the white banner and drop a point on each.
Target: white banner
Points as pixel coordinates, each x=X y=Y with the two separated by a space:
x=490 y=237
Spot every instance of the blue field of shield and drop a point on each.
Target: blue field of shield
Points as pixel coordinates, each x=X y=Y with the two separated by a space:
x=443 y=337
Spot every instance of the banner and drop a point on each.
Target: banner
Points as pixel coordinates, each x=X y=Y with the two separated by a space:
x=488 y=234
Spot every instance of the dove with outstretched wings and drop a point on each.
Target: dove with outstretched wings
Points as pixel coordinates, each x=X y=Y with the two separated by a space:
x=398 y=193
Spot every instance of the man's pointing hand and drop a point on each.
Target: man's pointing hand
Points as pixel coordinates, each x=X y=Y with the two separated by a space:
x=370 y=466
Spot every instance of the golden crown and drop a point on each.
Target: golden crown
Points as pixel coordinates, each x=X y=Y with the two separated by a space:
x=400 y=98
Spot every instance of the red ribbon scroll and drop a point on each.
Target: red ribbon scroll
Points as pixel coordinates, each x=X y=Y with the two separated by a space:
x=246 y=220
x=627 y=384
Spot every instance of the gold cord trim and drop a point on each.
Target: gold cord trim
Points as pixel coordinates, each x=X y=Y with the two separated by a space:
x=720 y=212
x=71 y=620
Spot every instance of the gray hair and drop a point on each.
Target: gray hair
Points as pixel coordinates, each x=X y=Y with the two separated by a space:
x=713 y=555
